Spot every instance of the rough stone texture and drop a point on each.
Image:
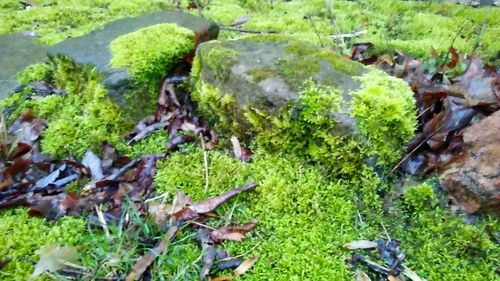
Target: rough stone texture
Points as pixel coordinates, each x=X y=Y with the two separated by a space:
x=17 y=51
x=267 y=75
x=474 y=180
x=93 y=48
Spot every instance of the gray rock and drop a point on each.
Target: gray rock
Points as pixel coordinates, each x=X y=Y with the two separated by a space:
x=17 y=51
x=93 y=48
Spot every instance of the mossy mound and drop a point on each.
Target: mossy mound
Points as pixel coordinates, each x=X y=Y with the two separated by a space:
x=306 y=218
x=23 y=236
x=293 y=97
x=80 y=117
x=151 y=52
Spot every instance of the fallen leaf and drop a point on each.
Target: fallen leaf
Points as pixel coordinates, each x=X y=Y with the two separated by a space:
x=211 y=204
x=240 y=21
x=393 y=278
x=233 y=233
x=93 y=163
x=360 y=244
x=455 y=58
x=229 y=264
x=53 y=258
x=361 y=276
x=411 y=274
x=222 y=278
x=245 y=266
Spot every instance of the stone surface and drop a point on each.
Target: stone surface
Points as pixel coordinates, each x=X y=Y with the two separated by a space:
x=93 y=48
x=295 y=97
x=17 y=51
x=474 y=180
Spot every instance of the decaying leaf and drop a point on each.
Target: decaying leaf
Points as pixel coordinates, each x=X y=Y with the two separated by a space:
x=361 y=244
x=53 y=258
x=245 y=266
x=93 y=163
x=361 y=276
x=233 y=233
x=411 y=274
x=211 y=204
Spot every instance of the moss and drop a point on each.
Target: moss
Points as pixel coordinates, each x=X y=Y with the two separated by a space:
x=440 y=246
x=22 y=236
x=34 y=72
x=220 y=59
x=260 y=74
x=305 y=218
x=414 y=27
x=56 y=20
x=83 y=118
x=145 y=54
x=384 y=109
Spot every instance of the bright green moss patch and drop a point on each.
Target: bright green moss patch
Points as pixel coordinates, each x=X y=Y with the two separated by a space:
x=414 y=27
x=150 y=52
x=80 y=119
x=23 y=236
x=384 y=109
x=305 y=219
x=34 y=72
x=56 y=20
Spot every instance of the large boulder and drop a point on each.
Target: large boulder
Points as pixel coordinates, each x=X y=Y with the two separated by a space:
x=474 y=180
x=292 y=96
x=17 y=51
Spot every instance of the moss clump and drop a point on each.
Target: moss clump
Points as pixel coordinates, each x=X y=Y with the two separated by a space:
x=23 y=236
x=305 y=219
x=439 y=244
x=384 y=109
x=150 y=52
x=34 y=72
x=80 y=119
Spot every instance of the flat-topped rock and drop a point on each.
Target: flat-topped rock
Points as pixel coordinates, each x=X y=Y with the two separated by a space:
x=291 y=96
x=94 y=49
x=17 y=51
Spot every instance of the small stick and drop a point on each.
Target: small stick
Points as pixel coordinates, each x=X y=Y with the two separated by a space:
x=197 y=4
x=316 y=31
x=203 y=225
x=241 y=255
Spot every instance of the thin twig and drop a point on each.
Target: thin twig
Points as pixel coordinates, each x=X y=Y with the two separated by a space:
x=316 y=31
x=478 y=40
x=203 y=225
x=221 y=27
x=241 y=255
x=205 y=161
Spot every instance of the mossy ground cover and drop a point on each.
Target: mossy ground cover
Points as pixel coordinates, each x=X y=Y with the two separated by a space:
x=305 y=215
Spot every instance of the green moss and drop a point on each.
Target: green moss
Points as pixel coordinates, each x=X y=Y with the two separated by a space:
x=384 y=109
x=260 y=74
x=34 y=72
x=305 y=218
x=220 y=59
x=56 y=20
x=145 y=54
x=83 y=118
x=23 y=236
x=414 y=27
x=439 y=245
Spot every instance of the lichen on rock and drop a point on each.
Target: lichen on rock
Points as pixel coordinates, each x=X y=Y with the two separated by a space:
x=293 y=97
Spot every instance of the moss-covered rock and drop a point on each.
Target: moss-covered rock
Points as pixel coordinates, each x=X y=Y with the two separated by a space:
x=151 y=52
x=291 y=96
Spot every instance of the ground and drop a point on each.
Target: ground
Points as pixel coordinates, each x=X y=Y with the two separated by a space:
x=305 y=215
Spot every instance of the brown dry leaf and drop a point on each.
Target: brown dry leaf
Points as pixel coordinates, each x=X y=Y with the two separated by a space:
x=53 y=258
x=361 y=276
x=245 y=266
x=233 y=233
x=211 y=204
x=394 y=278
x=360 y=244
